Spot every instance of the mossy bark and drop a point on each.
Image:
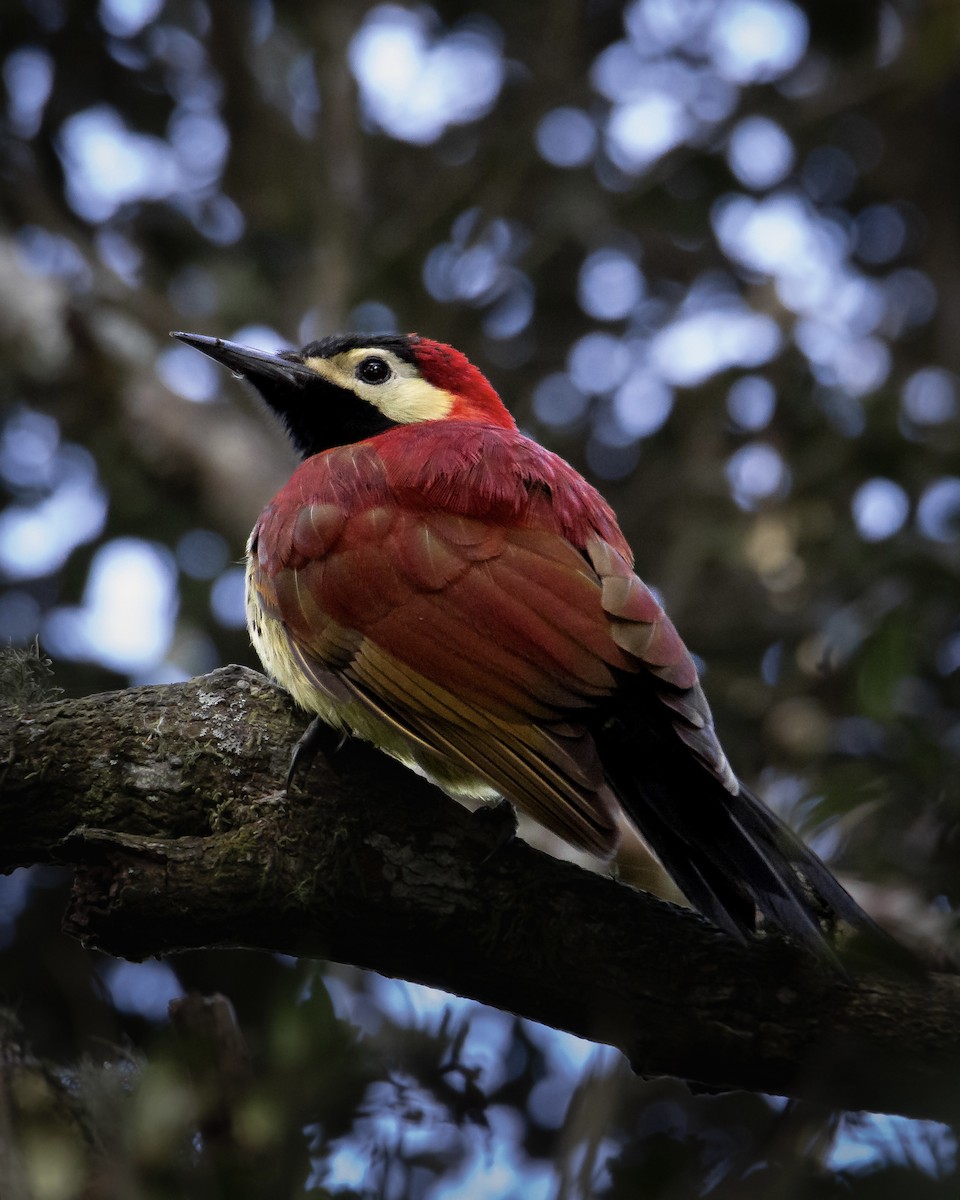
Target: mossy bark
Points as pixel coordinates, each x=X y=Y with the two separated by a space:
x=169 y=803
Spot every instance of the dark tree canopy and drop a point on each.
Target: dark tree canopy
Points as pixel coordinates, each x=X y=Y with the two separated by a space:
x=709 y=252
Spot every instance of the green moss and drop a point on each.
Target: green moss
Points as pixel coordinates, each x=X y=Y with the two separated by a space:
x=25 y=676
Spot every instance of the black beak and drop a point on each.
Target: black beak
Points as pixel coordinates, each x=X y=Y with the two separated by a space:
x=260 y=367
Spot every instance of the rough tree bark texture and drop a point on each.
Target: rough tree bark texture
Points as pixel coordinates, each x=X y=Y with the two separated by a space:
x=168 y=801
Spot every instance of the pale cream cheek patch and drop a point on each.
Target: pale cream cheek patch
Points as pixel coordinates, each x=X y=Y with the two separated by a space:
x=404 y=398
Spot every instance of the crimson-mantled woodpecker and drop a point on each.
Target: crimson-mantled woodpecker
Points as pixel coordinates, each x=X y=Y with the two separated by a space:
x=434 y=581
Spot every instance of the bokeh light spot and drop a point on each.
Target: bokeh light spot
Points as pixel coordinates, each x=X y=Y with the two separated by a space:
x=36 y=539
x=129 y=607
x=692 y=348
x=414 y=86
x=929 y=396
x=643 y=130
x=642 y=404
x=610 y=285
x=597 y=362
x=755 y=41
x=189 y=374
x=28 y=445
x=755 y=472
x=28 y=76
x=107 y=165
x=566 y=137
x=880 y=234
x=372 y=316
x=125 y=18
x=227 y=598
x=759 y=152
x=938 y=511
x=556 y=401
x=202 y=553
x=880 y=507
x=751 y=402
x=143 y=989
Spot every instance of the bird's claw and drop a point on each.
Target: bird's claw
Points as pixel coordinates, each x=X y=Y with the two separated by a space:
x=501 y=818
x=314 y=740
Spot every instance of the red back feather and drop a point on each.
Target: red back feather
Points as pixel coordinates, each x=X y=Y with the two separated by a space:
x=467 y=468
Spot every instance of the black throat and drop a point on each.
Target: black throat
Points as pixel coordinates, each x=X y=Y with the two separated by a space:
x=318 y=415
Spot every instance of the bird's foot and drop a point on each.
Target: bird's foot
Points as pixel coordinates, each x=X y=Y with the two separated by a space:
x=501 y=819
x=316 y=738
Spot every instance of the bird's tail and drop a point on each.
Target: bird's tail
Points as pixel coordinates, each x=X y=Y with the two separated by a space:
x=731 y=856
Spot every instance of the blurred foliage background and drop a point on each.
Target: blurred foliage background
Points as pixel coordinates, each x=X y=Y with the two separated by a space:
x=709 y=250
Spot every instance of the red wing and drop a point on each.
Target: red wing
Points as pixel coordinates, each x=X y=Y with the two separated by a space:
x=481 y=644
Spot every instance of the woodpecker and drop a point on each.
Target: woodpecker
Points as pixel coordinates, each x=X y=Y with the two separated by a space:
x=437 y=583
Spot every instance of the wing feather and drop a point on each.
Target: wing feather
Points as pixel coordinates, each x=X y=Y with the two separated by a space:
x=479 y=644
x=556 y=780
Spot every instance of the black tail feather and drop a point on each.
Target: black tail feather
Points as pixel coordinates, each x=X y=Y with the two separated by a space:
x=727 y=867
x=831 y=899
x=730 y=855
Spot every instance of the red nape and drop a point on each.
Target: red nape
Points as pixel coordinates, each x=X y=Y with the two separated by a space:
x=447 y=368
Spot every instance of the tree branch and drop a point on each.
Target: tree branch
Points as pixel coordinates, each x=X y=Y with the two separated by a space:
x=168 y=801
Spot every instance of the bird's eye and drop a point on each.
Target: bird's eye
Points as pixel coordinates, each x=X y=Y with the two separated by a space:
x=374 y=370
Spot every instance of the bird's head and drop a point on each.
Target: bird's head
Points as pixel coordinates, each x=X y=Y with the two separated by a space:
x=348 y=387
